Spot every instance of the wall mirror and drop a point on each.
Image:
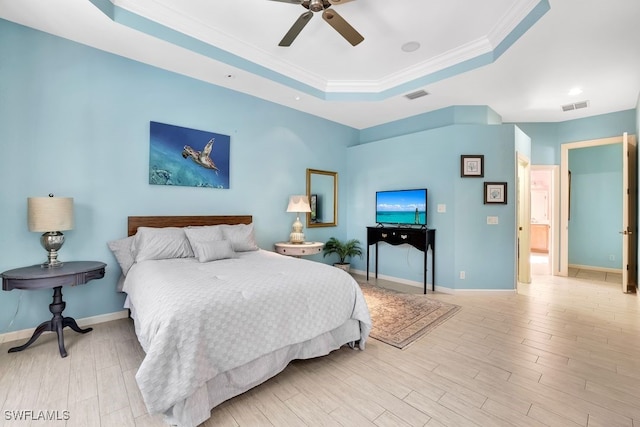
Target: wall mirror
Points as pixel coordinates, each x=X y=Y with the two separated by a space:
x=322 y=190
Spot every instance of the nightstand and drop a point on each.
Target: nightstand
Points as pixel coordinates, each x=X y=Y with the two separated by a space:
x=36 y=277
x=299 y=249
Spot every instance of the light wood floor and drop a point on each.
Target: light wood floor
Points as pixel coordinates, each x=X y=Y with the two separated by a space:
x=562 y=352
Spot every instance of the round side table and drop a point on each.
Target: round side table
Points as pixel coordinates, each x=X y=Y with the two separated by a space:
x=71 y=273
x=299 y=249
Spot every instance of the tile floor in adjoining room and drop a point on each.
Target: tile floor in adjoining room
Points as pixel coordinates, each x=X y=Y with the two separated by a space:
x=540 y=265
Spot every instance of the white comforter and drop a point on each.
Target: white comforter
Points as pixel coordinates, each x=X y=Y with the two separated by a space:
x=196 y=320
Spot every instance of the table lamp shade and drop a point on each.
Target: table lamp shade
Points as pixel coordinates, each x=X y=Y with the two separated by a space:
x=50 y=213
x=298 y=203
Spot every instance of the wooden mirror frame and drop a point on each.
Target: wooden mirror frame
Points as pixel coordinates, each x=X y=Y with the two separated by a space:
x=334 y=221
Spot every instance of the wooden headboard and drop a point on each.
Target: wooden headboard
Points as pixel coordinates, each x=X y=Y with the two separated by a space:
x=183 y=221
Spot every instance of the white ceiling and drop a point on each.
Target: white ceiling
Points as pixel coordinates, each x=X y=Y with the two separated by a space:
x=590 y=44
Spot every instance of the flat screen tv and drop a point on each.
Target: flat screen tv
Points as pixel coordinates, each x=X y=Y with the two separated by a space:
x=402 y=207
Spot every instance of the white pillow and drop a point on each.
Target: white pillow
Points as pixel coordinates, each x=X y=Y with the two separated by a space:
x=122 y=251
x=212 y=250
x=204 y=233
x=161 y=243
x=241 y=237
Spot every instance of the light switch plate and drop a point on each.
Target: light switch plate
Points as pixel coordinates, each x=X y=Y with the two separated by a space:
x=442 y=208
x=492 y=220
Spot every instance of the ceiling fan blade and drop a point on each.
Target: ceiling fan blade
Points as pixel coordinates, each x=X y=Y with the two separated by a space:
x=342 y=26
x=295 y=29
x=333 y=2
x=293 y=1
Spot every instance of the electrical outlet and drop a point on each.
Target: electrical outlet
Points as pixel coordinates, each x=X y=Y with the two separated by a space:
x=462 y=275
x=612 y=258
x=442 y=208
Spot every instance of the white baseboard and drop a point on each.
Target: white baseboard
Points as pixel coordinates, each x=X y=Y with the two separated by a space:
x=484 y=292
x=441 y=289
x=592 y=268
x=87 y=321
x=391 y=279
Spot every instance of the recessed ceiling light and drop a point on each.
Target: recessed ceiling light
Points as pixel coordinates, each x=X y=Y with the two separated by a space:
x=575 y=91
x=297 y=98
x=410 y=46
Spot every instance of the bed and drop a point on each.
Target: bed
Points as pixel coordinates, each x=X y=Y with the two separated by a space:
x=216 y=315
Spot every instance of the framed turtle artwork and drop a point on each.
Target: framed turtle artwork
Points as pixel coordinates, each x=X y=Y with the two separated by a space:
x=188 y=157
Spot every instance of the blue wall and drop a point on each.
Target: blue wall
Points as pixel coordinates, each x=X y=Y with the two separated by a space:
x=596 y=206
x=431 y=159
x=546 y=138
x=74 y=121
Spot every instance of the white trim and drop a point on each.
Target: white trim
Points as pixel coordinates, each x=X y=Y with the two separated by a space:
x=392 y=279
x=483 y=291
x=420 y=285
x=593 y=268
x=87 y=321
x=167 y=15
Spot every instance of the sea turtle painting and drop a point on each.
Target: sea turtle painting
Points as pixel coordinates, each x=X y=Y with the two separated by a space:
x=188 y=157
x=202 y=158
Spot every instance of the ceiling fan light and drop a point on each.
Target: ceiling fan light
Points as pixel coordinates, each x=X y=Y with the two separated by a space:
x=316 y=6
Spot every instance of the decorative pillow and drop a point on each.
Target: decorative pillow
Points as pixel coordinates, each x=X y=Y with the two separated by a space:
x=122 y=250
x=212 y=250
x=241 y=237
x=204 y=234
x=161 y=243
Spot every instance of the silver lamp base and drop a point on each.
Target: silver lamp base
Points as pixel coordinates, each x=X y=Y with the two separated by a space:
x=52 y=241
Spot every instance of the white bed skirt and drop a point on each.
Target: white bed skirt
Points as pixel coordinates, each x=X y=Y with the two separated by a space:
x=197 y=408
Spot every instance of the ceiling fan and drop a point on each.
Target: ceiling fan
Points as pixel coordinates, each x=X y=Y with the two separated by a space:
x=331 y=16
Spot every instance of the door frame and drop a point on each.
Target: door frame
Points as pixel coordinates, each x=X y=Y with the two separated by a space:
x=554 y=220
x=629 y=213
x=564 y=193
x=523 y=216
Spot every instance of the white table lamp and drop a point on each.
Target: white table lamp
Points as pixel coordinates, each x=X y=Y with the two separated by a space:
x=50 y=215
x=299 y=203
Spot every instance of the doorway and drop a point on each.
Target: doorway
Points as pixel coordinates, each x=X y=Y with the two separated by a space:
x=624 y=187
x=545 y=213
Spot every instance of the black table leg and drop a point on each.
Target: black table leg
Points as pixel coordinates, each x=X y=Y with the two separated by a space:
x=56 y=324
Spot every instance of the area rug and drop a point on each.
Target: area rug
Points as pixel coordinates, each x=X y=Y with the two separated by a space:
x=400 y=319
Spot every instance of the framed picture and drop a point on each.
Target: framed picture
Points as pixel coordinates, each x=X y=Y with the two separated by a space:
x=495 y=192
x=188 y=157
x=472 y=166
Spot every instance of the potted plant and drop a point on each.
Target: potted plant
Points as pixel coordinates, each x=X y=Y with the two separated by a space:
x=344 y=250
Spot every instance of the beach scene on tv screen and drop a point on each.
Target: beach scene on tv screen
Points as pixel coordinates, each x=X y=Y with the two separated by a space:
x=401 y=207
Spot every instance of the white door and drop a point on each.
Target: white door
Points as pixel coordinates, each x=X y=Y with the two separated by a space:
x=629 y=214
x=523 y=214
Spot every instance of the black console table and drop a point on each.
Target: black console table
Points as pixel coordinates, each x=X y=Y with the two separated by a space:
x=36 y=277
x=422 y=239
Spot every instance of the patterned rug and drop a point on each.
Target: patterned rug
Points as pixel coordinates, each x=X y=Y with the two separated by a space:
x=400 y=319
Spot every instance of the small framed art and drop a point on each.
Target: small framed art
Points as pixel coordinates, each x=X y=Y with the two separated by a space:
x=495 y=192
x=472 y=166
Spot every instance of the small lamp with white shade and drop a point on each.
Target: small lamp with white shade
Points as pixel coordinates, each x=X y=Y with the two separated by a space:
x=298 y=204
x=50 y=215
